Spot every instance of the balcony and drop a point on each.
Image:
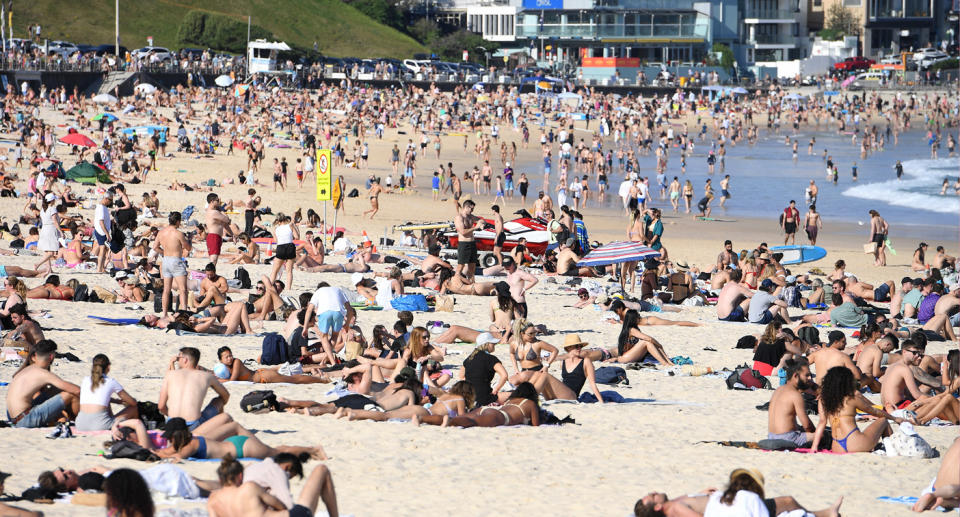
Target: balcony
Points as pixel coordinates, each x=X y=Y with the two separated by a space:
x=770 y=16
x=772 y=40
x=890 y=10
x=637 y=32
x=557 y=31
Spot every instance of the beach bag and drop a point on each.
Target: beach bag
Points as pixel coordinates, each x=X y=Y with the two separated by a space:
x=444 y=303
x=354 y=193
x=906 y=442
x=274 y=350
x=242 y=276
x=745 y=378
x=130 y=450
x=290 y=369
x=410 y=302
x=260 y=401
x=611 y=375
x=870 y=248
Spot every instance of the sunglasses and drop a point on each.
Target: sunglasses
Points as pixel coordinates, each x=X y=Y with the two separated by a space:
x=915 y=352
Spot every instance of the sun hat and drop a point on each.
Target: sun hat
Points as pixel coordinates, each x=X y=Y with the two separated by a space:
x=50 y=197
x=753 y=473
x=485 y=338
x=571 y=340
x=356 y=278
x=764 y=256
x=121 y=275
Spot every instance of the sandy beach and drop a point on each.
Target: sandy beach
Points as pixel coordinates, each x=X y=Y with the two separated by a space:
x=613 y=455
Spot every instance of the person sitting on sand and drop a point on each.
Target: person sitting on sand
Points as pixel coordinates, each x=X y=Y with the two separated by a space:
x=765 y=307
x=521 y=408
x=26 y=332
x=237 y=498
x=941 y=260
x=16 y=292
x=36 y=397
x=734 y=299
x=944 y=490
x=526 y=352
x=96 y=395
x=657 y=504
x=839 y=402
x=184 y=444
x=832 y=354
x=567 y=261
x=576 y=370
x=919 y=262
x=787 y=416
x=213 y=289
x=634 y=346
x=249 y=251
x=184 y=388
x=940 y=326
x=268 y=304
x=235 y=370
x=52 y=290
x=901 y=391
x=774 y=346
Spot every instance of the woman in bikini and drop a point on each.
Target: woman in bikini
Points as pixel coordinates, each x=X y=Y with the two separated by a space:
x=454 y=282
x=374 y=194
x=418 y=350
x=183 y=444
x=453 y=403
x=750 y=271
x=250 y=255
x=526 y=350
x=839 y=401
x=16 y=292
x=52 y=290
x=634 y=346
x=523 y=408
x=839 y=271
x=502 y=315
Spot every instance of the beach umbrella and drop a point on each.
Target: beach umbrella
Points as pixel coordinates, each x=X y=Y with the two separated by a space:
x=109 y=117
x=223 y=80
x=104 y=98
x=145 y=88
x=616 y=253
x=78 y=139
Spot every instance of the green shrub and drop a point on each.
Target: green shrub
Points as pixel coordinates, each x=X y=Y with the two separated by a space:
x=217 y=32
x=946 y=64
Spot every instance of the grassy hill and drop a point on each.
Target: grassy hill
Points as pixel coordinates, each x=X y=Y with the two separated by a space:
x=339 y=29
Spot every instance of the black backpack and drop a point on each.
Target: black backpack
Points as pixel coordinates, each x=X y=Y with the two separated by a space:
x=259 y=401
x=131 y=450
x=242 y=276
x=81 y=293
x=746 y=378
x=150 y=415
x=274 y=349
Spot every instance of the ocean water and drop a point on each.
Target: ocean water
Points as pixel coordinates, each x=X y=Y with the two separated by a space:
x=764 y=178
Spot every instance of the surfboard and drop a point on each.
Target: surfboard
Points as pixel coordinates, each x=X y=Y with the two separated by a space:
x=799 y=254
x=425 y=226
x=715 y=220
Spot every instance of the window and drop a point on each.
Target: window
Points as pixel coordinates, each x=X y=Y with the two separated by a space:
x=852 y=3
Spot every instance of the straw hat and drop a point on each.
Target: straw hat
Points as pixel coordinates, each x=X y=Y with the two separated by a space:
x=572 y=340
x=753 y=473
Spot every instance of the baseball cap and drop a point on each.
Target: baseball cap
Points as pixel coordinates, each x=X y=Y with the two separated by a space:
x=791 y=279
x=486 y=338
x=356 y=278
x=766 y=283
x=50 y=197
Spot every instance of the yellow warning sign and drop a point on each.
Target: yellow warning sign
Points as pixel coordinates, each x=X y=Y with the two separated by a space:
x=324 y=176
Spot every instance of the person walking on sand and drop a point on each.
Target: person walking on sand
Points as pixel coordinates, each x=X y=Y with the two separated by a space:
x=101 y=229
x=878 y=236
x=374 y=193
x=217 y=222
x=788 y=221
x=171 y=243
x=812 y=224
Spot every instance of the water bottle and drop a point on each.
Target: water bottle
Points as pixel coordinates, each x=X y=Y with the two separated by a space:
x=783 y=376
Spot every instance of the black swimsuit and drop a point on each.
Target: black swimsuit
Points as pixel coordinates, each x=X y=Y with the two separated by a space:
x=574 y=379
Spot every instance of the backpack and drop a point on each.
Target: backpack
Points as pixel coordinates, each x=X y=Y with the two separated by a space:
x=131 y=450
x=747 y=342
x=243 y=277
x=259 y=401
x=274 y=350
x=611 y=375
x=150 y=415
x=745 y=378
x=81 y=293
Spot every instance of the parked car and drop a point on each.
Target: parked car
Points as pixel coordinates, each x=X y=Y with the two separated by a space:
x=931 y=58
x=891 y=60
x=152 y=54
x=853 y=63
x=109 y=49
x=86 y=49
x=867 y=80
x=925 y=53
x=193 y=54
x=64 y=48
x=23 y=44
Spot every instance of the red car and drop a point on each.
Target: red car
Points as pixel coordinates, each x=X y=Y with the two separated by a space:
x=853 y=63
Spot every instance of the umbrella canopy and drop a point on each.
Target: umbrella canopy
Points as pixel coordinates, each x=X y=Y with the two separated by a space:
x=223 y=80
x=145 y=88
x=617 y=252
x=104 y=98
x=109 y=117
x=78 y=139
x=86 y=173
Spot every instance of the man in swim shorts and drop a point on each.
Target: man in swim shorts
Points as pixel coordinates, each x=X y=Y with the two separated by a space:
x=36 y=396
x=788 y=221
x=217 y=223
x=184 y=388
x=734 y=298
x=466 y=224
x=787 y=416
x=171 y=243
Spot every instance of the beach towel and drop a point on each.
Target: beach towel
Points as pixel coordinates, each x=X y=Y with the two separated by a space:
x=608 y=396
x=906 y=499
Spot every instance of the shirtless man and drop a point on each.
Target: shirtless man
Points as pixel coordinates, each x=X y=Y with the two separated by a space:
x=26 y=331
x=239 y=499
x=184 y=388
x=787 y=416
x=171 y=243
x=727 y=257
x=942 y=260
x=567 y=261
x=501 y=237
x=217 y=223
x=870 y=362
x=734 y=299
x=866 y=291
x=239 y=372
x=831 y=355
x=466 y=223
x=250 y=210
x=213 y=289
x=520 y=282
x=433 y=263
x=36 y=396
x=899 y=388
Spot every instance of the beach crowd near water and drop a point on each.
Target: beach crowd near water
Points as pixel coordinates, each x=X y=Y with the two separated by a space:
x=186 y=330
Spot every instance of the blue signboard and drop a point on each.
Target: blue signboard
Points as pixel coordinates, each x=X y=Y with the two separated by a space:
x=542 y=4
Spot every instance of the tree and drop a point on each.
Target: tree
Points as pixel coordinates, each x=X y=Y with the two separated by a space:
x=843 y=20
x=452 y=45
x=726 y=55
x=425 y=31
